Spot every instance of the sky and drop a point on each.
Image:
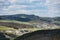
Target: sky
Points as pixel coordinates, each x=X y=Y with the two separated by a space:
x=42 y=8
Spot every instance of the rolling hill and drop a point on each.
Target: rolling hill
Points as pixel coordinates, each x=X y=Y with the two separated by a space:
x=16 y=25
x=27 y=18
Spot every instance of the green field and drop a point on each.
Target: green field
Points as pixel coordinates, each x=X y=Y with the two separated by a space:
x=2 y=28
x=16 y=22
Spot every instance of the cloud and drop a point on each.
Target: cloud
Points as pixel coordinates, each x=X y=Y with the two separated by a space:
x=4 y=4
x=53 y=7
x=47 y=8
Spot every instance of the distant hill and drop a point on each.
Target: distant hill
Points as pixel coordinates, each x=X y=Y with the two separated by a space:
x=24 y=17
x=20 y=17
x=29 y=18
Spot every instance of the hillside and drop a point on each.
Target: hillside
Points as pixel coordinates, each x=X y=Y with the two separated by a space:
x=36 y=21
x=16 y=25
x=41 y=35
x=29 y=18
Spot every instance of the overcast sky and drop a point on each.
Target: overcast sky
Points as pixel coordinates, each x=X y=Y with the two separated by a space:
x=43 y=8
